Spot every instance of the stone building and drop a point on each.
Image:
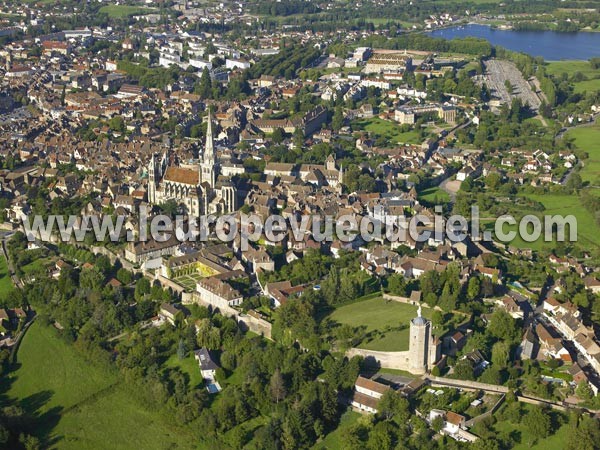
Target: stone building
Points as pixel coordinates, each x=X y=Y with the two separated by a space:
x=424 y=349
x=199 y=191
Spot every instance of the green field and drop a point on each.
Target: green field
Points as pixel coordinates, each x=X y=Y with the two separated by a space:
x=120 y=11
x=434 y=195
x=6 y=286
x=588 y=140
x=391 y=131
x=189 y=366
x=557 y=441
x=387 y=321
x=587 y=230
x=571 y=67
x=80 y=406
x=333 y=440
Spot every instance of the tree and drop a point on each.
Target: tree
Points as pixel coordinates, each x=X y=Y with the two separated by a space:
x=124 y=276
x=338 y=119
x=381 y=437
x=437 y=318
x=392 y=405
x=142 y=287
x=584 y=391
x=537 y=422
x=574 y=182
x=29 y=442
x=181 y=350
x=90 y=279
x=204 y=88
x=278 y=135
x=585 y=436
x=503 y=326
x=437 y=424
x=500 y=354
x=117 y=124
x=277 y=386
x=463 y=370
x=208 y=336
x=473 y=288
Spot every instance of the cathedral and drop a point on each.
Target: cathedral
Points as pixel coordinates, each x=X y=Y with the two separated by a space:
x=200 y=191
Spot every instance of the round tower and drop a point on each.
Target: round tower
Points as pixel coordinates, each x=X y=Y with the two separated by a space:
x=418 y=348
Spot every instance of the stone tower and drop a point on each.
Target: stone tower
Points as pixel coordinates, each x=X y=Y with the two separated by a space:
x=152 y=180
x=420 y=336
x=330 y=163
x=207 y=165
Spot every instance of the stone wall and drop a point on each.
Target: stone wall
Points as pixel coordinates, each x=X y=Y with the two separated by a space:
x=245 y=321
x=466 y=384
x=386 y=360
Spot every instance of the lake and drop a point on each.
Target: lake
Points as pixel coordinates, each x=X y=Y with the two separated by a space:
x=551 y=45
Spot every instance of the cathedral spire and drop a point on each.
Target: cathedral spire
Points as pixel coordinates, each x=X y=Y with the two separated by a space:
x=208 y=161
x=209 y=150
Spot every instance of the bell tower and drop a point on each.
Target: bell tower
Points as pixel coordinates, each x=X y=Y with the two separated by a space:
x=208 y=163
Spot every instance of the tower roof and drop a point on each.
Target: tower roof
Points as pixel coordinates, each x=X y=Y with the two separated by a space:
x=419 y=320
x=209 y=150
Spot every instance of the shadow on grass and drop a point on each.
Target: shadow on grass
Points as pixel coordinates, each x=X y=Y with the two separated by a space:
x=26 y=416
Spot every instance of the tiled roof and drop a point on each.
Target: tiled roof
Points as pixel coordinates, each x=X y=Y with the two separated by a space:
x=181 y=175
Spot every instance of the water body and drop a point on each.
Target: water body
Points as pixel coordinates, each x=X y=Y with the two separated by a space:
x=551 y=45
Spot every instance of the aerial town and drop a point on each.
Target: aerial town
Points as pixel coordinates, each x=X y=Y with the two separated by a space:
x=300 y=112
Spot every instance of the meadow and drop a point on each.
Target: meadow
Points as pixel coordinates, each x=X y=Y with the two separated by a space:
x=434 y=196
x=6 y=286
x=391 y=131
x=385 y=322
x=556 y=441
x=333 y=441
x=572 y=67
x=121 y=11
x=77 y=405
x=587 y=138
x=563 y=205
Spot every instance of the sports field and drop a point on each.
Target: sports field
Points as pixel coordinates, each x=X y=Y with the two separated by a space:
x=77 y=405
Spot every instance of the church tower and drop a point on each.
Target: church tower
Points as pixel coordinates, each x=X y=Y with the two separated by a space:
x=418 y=349
x=152 y=180
x=207 y=165
x=330 y=163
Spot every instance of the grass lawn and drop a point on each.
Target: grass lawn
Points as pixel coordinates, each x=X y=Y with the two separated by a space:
x=80 y=406
x=588 y=140
x=333 y=440
x=380 y=316
x=389 y=130
x=189 y=366
x=120 y=11
x=434 y=195
x=587 y=230
x=572 y=67
x=556 y=441
x=6 y=286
